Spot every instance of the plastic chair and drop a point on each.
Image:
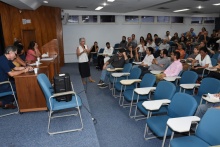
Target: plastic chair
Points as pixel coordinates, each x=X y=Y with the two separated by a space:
x=12 y=92
x=164 y=90
x=134 y=74
x=181 y=105
x=132 y=97
x=207 y=133
x=214 y=63
x=208 y=85
x=127 y=68
x=188 y=77
x=54 y=106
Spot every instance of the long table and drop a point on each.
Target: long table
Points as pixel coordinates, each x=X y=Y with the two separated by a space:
x=29 y=94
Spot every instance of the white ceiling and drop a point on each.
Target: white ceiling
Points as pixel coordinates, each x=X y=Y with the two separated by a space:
x=123 y=6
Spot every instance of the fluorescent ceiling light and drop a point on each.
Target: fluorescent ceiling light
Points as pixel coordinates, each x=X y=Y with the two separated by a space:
x=199 y=7
x=99 y=8
x=110 y=0
x=181 y=10
x=45 y=2
x=217 y=4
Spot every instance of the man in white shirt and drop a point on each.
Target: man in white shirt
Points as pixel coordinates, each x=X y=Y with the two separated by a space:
x=162 y=46
x=105 y=56
x=167 y=36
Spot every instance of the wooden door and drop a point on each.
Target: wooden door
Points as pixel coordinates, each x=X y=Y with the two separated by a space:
x=27 y=37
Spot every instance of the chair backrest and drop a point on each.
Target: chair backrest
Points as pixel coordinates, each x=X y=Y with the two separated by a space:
x=127 y=67
x=186 y=55
x=214 y=61
x=215 y=56
x=209 y=85
x=182 y=104
x=116 y=45
x=45 y=87
x=135 y=73
x=188 y=77
x=148 y=80
x=208 y=129
x=164 y=90
x=101 y=50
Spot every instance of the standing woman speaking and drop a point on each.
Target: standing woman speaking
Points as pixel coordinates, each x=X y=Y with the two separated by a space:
x=82 y=54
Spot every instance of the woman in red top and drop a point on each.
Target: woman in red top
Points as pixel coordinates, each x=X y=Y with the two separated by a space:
x=33 y=52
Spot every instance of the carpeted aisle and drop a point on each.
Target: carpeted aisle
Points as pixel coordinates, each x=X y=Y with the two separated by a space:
x=114 y=127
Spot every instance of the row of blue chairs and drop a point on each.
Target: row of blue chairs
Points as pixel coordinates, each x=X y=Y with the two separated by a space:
x=182 y=104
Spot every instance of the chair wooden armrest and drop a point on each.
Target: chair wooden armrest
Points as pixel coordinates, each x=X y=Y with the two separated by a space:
x=129 y=81
x=155 y=104
x=182 y=124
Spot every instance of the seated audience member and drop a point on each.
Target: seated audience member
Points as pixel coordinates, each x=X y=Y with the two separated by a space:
x=162 y=46
x=204 y=38
x=140 y=49
x=150 y=43
x=157 y=40
x=20 y=50
x=146 y=63
x=7 y=70
x=105 y=56
x=117 y=61
x=20 y=57
x=183 y=39
x=192 y=56
x=181 y=51
x=174 y=69
x=203 y=60
x=93 y=50
x=202 y=32
x=131 y=48
x=201 y=110
x=212 y=43
x=175 y=37
x=192 y=33
x=189 y=39
x=215 y=74
x=167 y=36
x=149 y=37
x=33 y=52
x=134 y=40
x=123 y=42
x=160 y=63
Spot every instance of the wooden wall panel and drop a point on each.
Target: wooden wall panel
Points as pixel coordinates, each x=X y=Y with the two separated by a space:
x=46 y=21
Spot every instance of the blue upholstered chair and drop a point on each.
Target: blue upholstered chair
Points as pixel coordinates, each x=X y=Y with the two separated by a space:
x=134 y=74
x=181 y=105
x=188 y=77
x=164 y=90
x=126 y=69
x=132 y=97
x=54 y=106
x=207 y=133
x=214 y=63
x=12 y=92
x=208 y=85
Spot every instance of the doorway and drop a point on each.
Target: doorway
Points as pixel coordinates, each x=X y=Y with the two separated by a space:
x=27 y=37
